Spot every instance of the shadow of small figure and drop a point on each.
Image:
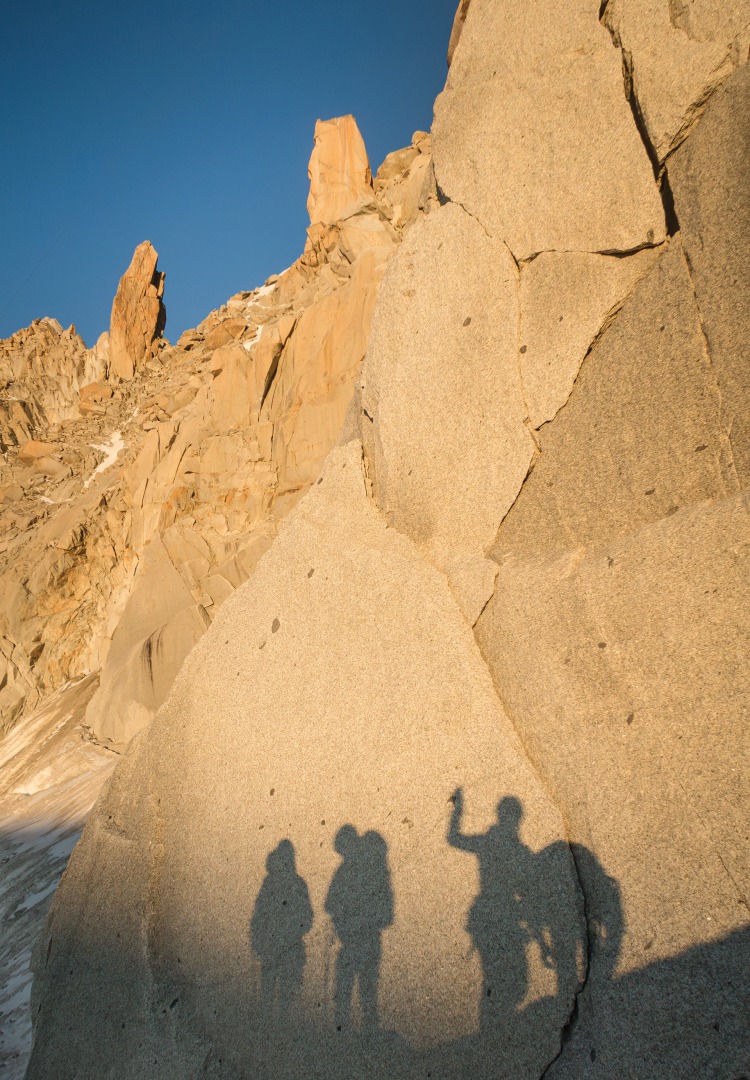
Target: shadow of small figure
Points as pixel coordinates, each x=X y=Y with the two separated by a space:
x=281 y=918
x=360 y=904
x=501 y=915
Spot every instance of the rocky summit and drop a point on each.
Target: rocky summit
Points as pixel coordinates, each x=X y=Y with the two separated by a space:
x=404 y=602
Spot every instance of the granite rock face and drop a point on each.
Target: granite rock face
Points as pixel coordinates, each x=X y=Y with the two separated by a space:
x=138 y=314
x=675 y=56
x=539 y=87
x=458 y=25
x=132 y=509
x=712 y=201
x=43 y=368
x=339 y=169
x=455 y=783
x=374 y=740
x=461 y=323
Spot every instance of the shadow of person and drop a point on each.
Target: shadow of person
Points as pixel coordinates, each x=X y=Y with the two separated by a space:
x=360 y=904
x=281 y=917
x=601 y=921
x=605 y=918
x=501 y=916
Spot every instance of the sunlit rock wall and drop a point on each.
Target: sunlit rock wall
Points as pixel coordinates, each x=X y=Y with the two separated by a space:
x=455 y=784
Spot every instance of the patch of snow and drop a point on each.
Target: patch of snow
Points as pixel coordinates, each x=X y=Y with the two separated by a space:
x=111 y=449
x=253 y=340
x=16 y=992
x=64 y=848
x=28 y=839
x=34 y=898
x=46 y=499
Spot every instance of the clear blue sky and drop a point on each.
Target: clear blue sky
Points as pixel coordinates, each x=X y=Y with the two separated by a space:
x=188 y=124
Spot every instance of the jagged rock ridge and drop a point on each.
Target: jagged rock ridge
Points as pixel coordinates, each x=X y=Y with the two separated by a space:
x=173 y=486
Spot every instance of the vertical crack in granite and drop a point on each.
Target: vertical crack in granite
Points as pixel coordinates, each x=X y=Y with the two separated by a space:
x=660 y=173
x=568 y=1025
x=566 y=1032
x=726 y=431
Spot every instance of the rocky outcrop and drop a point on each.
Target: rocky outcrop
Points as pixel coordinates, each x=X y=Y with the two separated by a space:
x=42 y=370
x=138 y=314
x=139 y=508
x=492 y=670
x=339 y=169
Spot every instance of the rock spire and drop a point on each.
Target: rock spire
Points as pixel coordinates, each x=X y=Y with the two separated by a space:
x=138 y=314
x=339 y=169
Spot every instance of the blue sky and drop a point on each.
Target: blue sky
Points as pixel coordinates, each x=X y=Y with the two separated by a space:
x=188 y=124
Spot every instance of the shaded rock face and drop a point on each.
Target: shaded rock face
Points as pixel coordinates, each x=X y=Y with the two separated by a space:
x=51 y=773
x=138 y=314
x=491 y=673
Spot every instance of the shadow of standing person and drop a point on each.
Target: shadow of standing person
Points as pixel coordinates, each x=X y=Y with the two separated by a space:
x=360 y=904
x=498 y=920
x=281 y=918
x=594 y=931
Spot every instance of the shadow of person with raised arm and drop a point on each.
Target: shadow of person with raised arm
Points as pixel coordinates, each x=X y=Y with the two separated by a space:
x=281 y=918
x=360 y=904
x=500 y=917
